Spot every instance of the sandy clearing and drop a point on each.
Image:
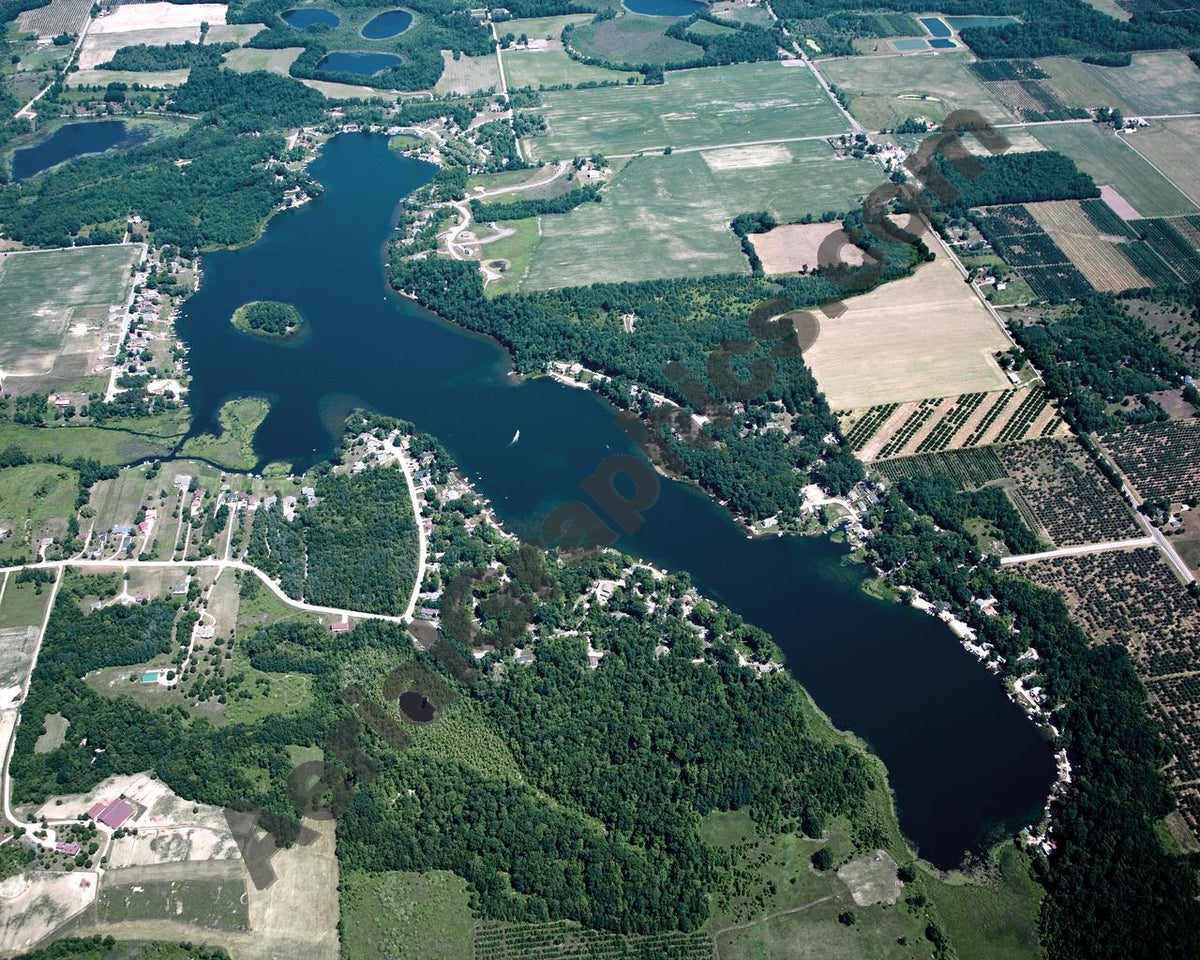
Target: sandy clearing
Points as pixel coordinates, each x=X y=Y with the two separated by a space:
x=788 y=248
x=349 y=90
x=738 y=158
x=42 y=906
x=99 y=49
x=872 y=879
x=156 y=16
x=1122 y=207
x=172 y=845
x=924 y=336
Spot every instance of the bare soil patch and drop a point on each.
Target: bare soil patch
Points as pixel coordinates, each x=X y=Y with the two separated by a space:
x=790 y=248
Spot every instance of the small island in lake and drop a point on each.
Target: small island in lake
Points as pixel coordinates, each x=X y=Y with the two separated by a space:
x=268 y=318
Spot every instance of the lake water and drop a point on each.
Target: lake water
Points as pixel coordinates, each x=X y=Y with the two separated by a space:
x=664 y=8
x=303 y=17
x=357 y=61
x=74 y=140
x=941 y=43
x=387 y=24
x=963 y=760
x=935 y=26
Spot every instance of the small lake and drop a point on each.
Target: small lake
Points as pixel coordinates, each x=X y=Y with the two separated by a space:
x=936 y=26
x=303 y=17
x=963 y=23
x=664 y=8
x=387 y=24
x=357 y=61
x=74 y=140
x=941 y=43
x=966 y=764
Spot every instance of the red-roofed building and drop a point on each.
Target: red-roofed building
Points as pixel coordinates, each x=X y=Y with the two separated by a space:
x=96 y=809
x=113 y=814
x=70 y=849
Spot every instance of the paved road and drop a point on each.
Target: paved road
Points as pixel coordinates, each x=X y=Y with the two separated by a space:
x=1079 y=550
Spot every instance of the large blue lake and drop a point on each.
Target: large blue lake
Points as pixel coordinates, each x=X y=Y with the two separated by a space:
x=965 y=763
x=357 y=61
x=74 y=140
x=387 y=24
x=303 y=17
x=664 y=8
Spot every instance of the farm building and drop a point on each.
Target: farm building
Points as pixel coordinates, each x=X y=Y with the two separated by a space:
x=111 y=814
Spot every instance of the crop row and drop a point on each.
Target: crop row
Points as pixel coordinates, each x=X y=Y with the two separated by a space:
x=968 y=469
x=1031 y=407
x=1165 y=240
x=1058 y=284
x=564 y=941
x=1106 y=219
x=869 y=425
x=1029 y=250
x=1148 y=263
x=917 y=419
x=991 y=70
x=989 y=418
x=956 y=417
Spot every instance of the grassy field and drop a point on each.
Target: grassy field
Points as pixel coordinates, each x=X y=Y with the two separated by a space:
x=35 y=501
x=23 y=606
x=405 y=916
x=247 y=59
x=997 y=919
x=1154 y=83
x=1110 y=160
x=468 y=74
x=694 y=108
x=277 y=694
x=633 y=39
x=211 y=895
x=536 y=68
x=678 y=207
x=123 y=441
x=240 y=418
x=537 y=28
x=43 y=294
x=884 y=91
x=518 y=250
x=924 y=336
x=1172 y=146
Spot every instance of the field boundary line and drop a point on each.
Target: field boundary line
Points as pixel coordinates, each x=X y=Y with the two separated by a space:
x=1130 y=145
x=1076 y=551
x=655 y=150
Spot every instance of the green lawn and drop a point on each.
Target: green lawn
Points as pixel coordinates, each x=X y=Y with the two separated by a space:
x=23 y=606
x=1153 y=84
x=884 y=91
x=40 y=292
x=240 y=418
x=405 y=916
x=668 y=216
x=248 y=59
x=705 y=107
x=517 y=249
x=537 y=68
x=1103 y=154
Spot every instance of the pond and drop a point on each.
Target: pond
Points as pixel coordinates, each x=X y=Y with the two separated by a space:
x=303 y=17
x=941 y=43
x=357 y=61
x=962 y=23
x=74 y=140
x=416 y=707
x=387 y=24
x=664 y=8
x=936 y=26
x=965 y=762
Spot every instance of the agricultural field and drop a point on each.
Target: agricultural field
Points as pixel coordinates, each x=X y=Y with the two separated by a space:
x=921 y=337
x=469 y=74
x=208 y=895
x=1020 y=86
x=54 y=305
x=507 y=260
x=154 y=79
x=248 y=59
x=884 y=91
x=633 y=39
x=1158 y=83
x=405 y=916
x=1111 y=160
x=965 y=422
x=59 y=16
x=792 y=246
x=1172 y=146
x=541 y=28
x=710 y=106
x=1132 y=597
x=680 y=206
x=1160 y=460
x=1103 y=263
x=739 y=12
x=1072 y=501
x=551 y=67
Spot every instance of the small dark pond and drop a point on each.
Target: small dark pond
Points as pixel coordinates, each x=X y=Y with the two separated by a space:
x=941 y=43
x=387 y=24
x=304 y=17
x=664 y=8
x=936 y=26
x=357 y=61
x=416 y=707
x=74 y=140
